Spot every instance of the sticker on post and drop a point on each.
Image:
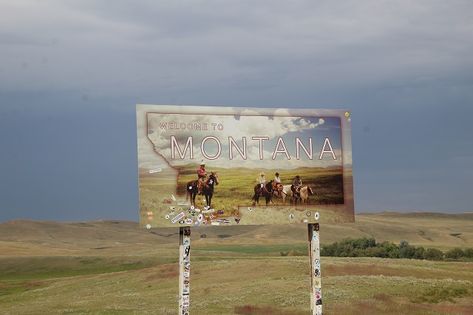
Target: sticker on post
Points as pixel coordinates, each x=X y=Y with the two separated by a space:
x=189 y=221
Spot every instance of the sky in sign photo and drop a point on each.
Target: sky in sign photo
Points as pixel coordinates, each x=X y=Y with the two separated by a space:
x=270 y=152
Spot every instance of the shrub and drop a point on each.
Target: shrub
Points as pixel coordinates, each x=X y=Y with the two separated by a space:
x=455 y=253
x=406 y=250
x=419 y=253
x=468 y=252
x=376 y=252
x=433 y=254
x=391 y=250
x=367 y=247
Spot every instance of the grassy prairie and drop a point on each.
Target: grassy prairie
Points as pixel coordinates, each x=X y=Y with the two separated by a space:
x=161 y=191
x=249 y=284
x=117 y=268
x=237 y=184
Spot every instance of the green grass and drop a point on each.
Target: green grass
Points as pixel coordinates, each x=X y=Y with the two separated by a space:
x=274 y=250
x=28 y=268
x=18 y=287
x=245 y=274
x=235 y=190
x=440 y=293
x=250 y=284
x=237 y=184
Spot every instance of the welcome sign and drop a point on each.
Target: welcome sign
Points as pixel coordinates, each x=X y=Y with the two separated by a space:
x=247 y=166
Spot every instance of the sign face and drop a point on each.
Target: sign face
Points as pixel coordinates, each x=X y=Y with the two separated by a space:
x=243 y=166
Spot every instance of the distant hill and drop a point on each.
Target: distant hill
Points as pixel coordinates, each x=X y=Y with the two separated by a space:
x=25 y=237
x=191 y=167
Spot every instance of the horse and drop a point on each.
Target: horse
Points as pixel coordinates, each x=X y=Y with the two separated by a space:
x=277 y=188
x=207 y=189
x=286 y=191
x=266 y=193
x=281 y=191
x=192 y=190
x=303 y=194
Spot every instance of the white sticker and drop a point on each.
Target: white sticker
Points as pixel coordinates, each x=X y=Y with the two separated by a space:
x=178 y=217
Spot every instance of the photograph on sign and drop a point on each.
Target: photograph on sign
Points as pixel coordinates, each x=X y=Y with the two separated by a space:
x=247 y=166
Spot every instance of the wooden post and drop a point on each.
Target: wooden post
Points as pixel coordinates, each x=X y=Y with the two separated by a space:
x=315 y=275
x=184 y=269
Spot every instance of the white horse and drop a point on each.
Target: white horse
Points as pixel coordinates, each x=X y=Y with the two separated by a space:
x=286 y=191
x=305 y=192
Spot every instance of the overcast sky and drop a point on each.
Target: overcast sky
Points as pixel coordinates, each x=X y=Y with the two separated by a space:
x=71 y=73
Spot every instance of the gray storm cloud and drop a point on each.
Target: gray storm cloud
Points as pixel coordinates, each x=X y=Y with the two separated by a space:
x=172 y=46
x=72 y=71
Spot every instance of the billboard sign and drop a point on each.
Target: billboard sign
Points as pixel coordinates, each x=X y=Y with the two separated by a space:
x=243 y=166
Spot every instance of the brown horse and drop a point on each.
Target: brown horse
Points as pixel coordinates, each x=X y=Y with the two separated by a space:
x=207 y=189
x=266 y=192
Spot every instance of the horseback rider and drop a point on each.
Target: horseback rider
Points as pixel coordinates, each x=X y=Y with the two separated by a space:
x=201 y=175
x=261 y=180
x=296 y=185
x=277 y=179
x=277 y=185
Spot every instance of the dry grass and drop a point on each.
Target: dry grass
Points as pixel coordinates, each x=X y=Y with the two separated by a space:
x=261 y=310
x=135 y=272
